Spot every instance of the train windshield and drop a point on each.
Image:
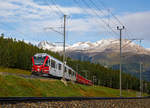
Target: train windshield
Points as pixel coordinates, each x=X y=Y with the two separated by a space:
x=39 y=60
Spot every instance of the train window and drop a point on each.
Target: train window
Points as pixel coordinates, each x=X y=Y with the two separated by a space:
x=53 y=63
x=70 y=71
x=56 y=66
x=47 y=62
x=65 y=69
x=38 y=60
x=59 y=66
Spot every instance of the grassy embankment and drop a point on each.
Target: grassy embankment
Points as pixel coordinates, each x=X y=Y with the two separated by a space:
x=14 y=71
x=11 y=85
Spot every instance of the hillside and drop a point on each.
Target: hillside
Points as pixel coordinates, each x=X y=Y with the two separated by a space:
x=12 y=86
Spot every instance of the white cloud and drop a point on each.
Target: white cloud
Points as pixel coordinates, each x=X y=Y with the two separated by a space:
x=7 y=5
x=138 y=23
x=28 y=7
x=28 y=14
x=32 y=17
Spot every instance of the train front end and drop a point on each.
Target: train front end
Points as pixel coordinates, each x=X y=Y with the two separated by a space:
x=40 y=64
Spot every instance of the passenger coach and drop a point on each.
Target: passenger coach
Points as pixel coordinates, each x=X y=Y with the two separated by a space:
x=46 y=65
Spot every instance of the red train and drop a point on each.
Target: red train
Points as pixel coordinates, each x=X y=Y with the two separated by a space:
x=46 y=65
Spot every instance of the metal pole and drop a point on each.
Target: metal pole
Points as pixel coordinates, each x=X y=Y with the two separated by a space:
x=120 y=29
x=140 y=79
x=86 y=75
x=94 y=80
x=99 y=82
x=120 y=63
x=64 y=47
x=77 y=67
x=140 y=75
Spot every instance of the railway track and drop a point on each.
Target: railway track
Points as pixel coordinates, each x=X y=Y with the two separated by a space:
x=34 y=99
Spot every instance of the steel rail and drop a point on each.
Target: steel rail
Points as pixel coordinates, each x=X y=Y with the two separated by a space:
x=35 y=99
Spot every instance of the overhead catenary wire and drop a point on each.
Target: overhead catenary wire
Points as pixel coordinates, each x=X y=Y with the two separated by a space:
x=54 y=3
x=109 y=11
x=60 y=14
x=100 y=10
x=107 y=24
x=130 y=34
x=116 y=18
x=100 y=17
x=87 y=11
x=50 y=7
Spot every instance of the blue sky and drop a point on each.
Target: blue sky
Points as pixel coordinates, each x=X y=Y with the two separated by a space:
x=27 y=19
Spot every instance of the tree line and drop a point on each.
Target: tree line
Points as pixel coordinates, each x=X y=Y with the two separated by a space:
x=18 y=54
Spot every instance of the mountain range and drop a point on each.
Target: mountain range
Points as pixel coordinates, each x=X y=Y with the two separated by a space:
x=99 y=46
x=107 y=53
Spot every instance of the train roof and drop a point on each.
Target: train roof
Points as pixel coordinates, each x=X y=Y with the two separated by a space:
x=41 y=54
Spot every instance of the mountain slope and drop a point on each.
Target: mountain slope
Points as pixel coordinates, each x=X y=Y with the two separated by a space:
x=16 y=86
x=107 y=52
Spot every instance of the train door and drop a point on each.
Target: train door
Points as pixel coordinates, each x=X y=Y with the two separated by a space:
x=60 y=70
x=53 y=67
x=57 y=73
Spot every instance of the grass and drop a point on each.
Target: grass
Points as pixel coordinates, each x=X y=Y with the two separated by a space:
x=15 y=71
x=12 y=86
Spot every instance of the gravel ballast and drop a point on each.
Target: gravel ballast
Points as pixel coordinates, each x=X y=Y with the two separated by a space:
x=124 y=103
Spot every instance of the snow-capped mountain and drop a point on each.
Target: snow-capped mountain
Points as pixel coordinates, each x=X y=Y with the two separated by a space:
x=50 y=46
x=148 y=49
x=107 y=45
x=107 y=53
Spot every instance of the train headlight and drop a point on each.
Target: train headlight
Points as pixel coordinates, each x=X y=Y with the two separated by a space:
x=38 y=69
